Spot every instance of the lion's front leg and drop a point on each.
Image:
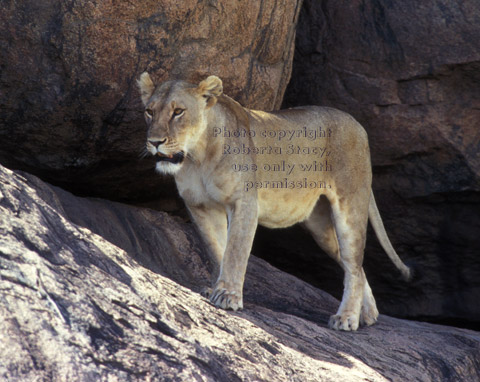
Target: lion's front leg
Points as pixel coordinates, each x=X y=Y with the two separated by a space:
x=228 y=290
x=212 y=226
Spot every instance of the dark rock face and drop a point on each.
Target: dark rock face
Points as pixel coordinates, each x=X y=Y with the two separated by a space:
x=76 y=306
x=410 y=74
x=69 y=108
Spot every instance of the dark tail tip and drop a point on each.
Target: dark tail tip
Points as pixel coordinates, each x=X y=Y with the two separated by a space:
x=414 y=271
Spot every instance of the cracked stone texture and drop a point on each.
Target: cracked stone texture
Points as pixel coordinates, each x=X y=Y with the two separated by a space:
x=410 y=73
x=92 y=290
x=70 y=111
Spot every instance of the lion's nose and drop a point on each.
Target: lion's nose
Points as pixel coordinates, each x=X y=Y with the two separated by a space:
x=157 y=143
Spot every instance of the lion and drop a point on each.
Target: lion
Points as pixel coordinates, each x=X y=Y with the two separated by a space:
x=236 y=168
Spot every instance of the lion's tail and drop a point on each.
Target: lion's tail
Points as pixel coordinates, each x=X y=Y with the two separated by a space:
x=378 y=227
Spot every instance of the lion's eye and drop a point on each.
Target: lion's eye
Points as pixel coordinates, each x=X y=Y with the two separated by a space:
x=178 y=112
x=149 y=113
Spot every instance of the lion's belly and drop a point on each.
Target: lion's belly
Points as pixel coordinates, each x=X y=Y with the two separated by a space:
x=283 y=208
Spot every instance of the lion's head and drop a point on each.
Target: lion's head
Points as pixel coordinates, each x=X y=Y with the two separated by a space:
x=175 y=115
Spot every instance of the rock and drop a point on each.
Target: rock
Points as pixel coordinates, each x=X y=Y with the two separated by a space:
x=410 y=75
x=69 y=108
x=76 y=306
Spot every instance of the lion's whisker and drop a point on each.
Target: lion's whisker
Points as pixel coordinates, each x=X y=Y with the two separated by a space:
x=143 y=153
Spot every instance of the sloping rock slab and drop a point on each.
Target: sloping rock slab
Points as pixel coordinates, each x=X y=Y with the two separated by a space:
x=76 y=307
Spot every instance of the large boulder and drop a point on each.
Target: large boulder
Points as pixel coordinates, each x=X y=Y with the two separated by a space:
x=98 y=291
x=69 y=108
x=410 y=73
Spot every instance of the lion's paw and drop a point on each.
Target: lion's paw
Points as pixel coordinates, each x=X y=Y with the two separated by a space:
x=346 y=321
x=206 y=292
x=369 y=315
x=226 y=299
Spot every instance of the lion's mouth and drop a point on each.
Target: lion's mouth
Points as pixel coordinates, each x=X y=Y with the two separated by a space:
x=172 y=158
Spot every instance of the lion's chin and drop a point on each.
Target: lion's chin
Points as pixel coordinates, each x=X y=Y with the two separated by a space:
x=167 y=168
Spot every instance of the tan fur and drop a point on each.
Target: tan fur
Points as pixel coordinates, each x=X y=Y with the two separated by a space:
x=227 y=205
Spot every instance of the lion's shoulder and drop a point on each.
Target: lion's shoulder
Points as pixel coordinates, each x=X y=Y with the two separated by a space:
x=235 y=109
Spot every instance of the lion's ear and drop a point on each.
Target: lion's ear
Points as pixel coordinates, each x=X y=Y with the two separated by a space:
x=210 y=88
x=146 y=86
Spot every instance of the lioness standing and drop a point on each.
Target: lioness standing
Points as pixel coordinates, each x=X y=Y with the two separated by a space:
x=236 y=168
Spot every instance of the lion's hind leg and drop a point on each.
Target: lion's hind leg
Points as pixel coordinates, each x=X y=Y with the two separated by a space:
x=350 y=218
x=321 y=226
x=369 y=312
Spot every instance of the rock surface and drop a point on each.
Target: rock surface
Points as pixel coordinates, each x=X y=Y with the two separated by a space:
x=75 y=306
x=69 y=108
x=410 y=74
